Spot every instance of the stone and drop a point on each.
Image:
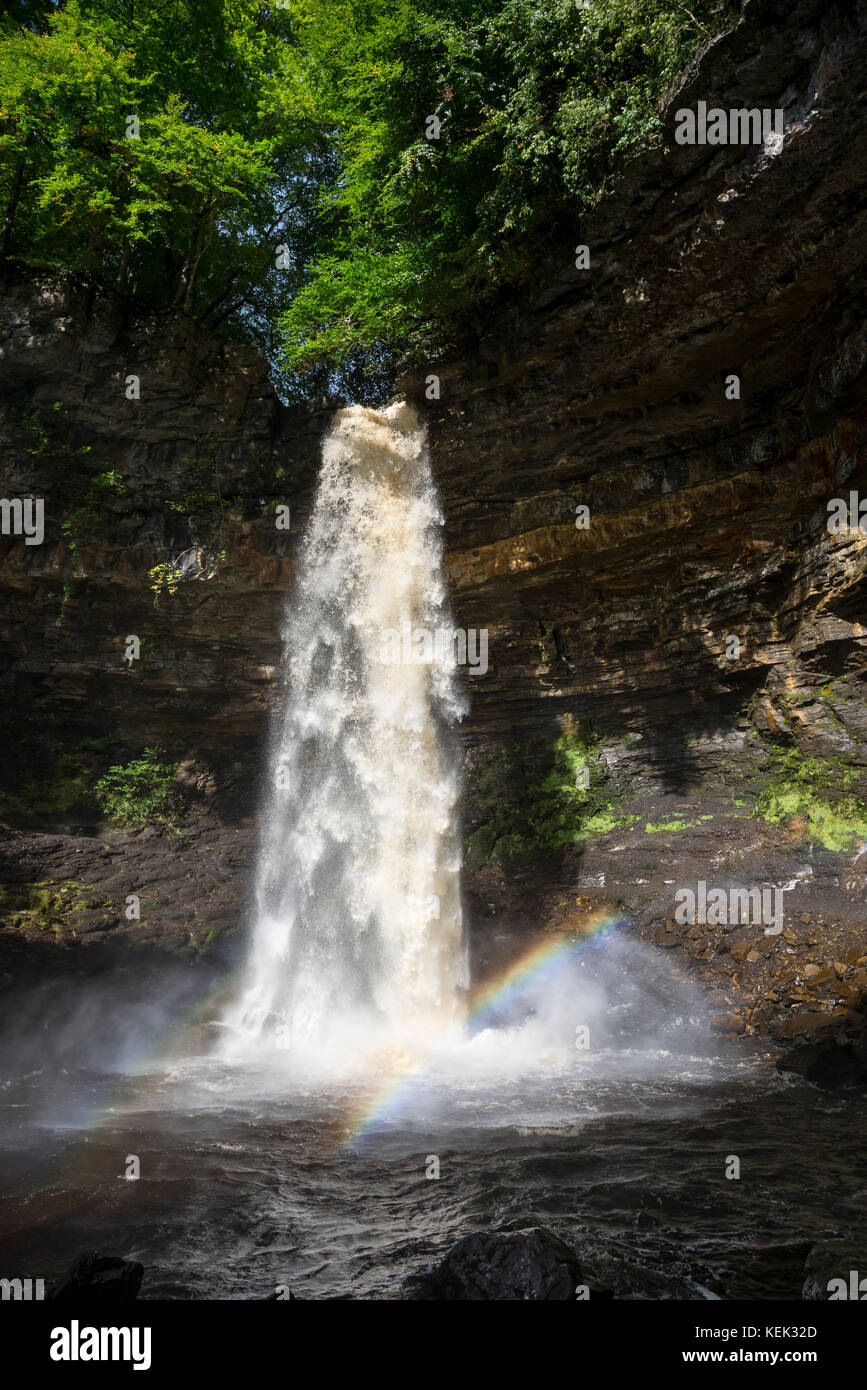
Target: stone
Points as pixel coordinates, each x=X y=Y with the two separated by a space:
x=666 y=940
x=531 y=1265
x=818 y=975
x=834 y=1260
x=97 y=1278
x=802 y=1025
x=729 y=1023
x=829 y=1065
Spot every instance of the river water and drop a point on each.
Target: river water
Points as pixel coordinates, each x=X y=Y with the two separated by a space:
x=250 y=1180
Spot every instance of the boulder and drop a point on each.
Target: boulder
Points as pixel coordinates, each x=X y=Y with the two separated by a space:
x=97 y=1278
x=832 y=1066
x=512 y=1265
x=835 y=1260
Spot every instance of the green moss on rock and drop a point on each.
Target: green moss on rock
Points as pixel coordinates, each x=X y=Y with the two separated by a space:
x=532 y=795
x=819 y=791
x=43 y=907
x=676 y=823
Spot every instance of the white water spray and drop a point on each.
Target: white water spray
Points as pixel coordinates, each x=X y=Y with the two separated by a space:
x=358 y=940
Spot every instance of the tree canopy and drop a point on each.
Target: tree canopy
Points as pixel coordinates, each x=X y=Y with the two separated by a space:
x=162 y=150
x=267 y=168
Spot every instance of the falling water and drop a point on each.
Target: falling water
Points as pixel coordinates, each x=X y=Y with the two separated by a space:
x=358 y=939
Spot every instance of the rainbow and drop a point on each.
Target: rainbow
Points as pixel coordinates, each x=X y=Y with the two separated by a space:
x=540 y=962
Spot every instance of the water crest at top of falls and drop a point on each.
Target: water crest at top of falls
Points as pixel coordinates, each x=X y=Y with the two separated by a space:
x=357 y=937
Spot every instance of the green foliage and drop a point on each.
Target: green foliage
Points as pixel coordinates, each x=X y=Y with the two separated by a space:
x=538 y=104
x=363 y=300
x=817 y=790
x=197 y=494
x=282 y=175
x=164 y=578
x=90 y=509
x=96 y=745
x=138 y=792
x=196 y=500
x=531 y=796
x=191 y=214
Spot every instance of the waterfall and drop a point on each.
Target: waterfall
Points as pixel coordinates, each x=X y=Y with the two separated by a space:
x=357 y=937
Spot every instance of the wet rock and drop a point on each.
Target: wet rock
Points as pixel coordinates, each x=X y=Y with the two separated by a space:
x=804 y=1025
x=831 y=1065
x=87 y=922
x=666 y=939
x=729 y=1023
x=100 y=1279
x=834 y=1261
x=817 y=975
x=531 y=1265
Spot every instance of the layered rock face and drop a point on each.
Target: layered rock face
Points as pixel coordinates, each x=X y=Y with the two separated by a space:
x=707 y=515
x=192 y=469
x=706 y=627
x=703 y=617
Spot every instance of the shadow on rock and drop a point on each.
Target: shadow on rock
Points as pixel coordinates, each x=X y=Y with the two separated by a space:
x=100 y=1279
x=531 y=1265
